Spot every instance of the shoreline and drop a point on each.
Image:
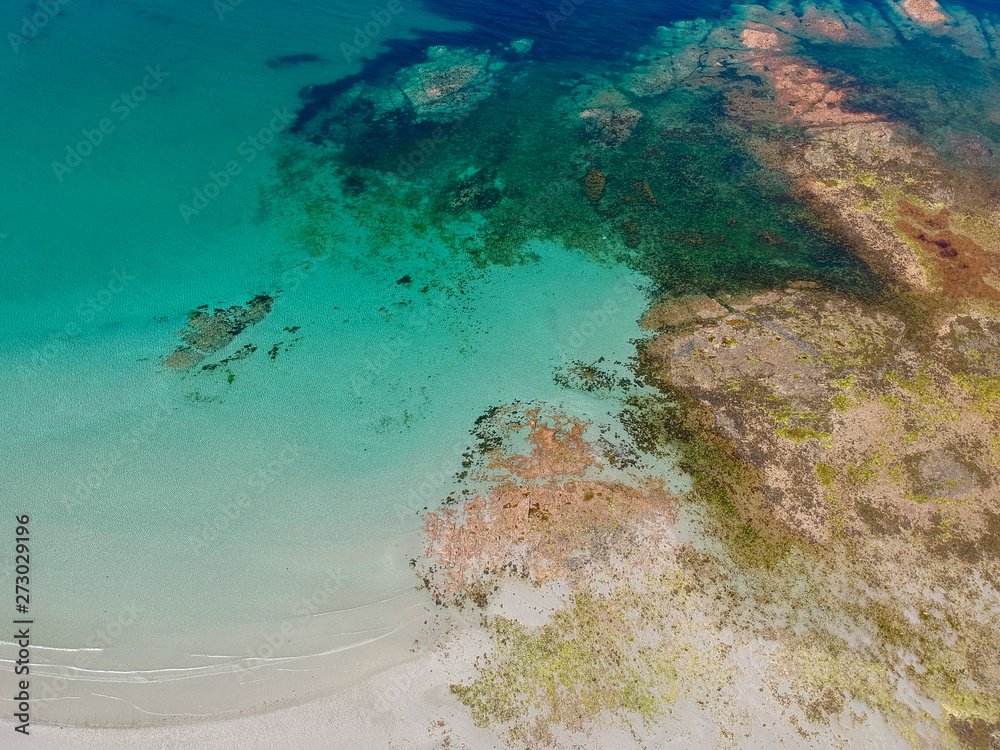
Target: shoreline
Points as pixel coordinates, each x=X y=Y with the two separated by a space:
x=255 y=689
x=141 y=673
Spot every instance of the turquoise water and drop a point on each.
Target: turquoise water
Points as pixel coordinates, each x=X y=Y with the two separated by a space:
x=181 y=518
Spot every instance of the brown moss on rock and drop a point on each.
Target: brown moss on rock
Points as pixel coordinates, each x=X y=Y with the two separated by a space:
x=594 y=184
x=962 y=265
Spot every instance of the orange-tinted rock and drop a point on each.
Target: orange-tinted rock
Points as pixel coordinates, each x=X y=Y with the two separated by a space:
x=806 y=93
x=758 y=36
x=557 y=450
x=538 y=509
x=925 y=11
x=817 y=26
x=529 y=530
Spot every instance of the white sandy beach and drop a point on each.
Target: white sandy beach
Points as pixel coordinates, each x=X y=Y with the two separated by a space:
x=410 y=707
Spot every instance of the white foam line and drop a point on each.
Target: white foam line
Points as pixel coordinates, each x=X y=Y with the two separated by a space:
x=51 y=648
x=186 y=673
x=137 y=708
x=360 y=606
x=48 y=698
x=339 y=633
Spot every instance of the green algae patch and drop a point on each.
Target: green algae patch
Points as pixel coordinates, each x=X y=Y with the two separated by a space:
x=984 y=390
x=799 y=435
x=842 y=402
x=826 y=474
x=867 y=179
x=728 y=486
x=580 y=665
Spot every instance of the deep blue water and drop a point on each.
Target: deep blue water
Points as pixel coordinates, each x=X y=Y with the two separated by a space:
x=570 y=30
x=596 y=29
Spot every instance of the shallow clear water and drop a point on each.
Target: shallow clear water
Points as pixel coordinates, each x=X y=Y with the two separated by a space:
x=211 y=509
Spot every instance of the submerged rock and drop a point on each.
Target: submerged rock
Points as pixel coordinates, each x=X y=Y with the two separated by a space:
x=522 y=46
x=446 y=88
x=611 y=126
x=207 y=332
x=925 y=11
x=450 y=84
x=183 y=358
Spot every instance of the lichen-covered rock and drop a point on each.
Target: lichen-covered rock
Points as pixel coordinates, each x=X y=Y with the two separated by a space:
x=853 y=430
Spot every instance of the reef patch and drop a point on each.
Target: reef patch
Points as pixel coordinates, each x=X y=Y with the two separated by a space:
x=208 y=331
